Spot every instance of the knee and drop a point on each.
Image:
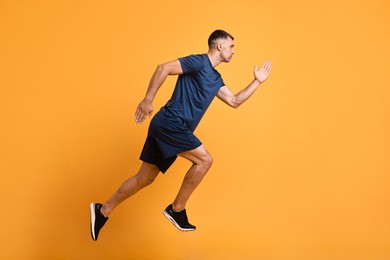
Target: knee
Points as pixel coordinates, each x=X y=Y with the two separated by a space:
x=206 y=162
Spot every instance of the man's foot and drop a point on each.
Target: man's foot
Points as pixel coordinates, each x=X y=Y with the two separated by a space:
x=179 y=219
x=97 y=220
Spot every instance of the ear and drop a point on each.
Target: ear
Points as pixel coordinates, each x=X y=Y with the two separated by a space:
x=219 y=46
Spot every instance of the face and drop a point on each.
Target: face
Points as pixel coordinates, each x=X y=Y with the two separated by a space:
x=226 y=49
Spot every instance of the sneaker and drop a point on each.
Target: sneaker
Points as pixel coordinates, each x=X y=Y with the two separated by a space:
x=179 y=219
x=97 y=220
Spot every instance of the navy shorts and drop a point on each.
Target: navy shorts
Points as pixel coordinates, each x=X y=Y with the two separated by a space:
x=167 y=137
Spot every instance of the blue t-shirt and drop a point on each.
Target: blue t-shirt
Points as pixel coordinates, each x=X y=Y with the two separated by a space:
x=195 y=89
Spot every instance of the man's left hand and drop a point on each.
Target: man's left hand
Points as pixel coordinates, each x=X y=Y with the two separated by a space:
x=262 y=74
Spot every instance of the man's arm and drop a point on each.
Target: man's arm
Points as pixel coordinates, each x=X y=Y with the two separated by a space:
x=163 y=70
x=235 y=100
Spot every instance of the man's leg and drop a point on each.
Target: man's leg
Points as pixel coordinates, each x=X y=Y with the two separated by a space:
x=145 y=176
x=176 y=212
x=202 y=162
x=99 y=213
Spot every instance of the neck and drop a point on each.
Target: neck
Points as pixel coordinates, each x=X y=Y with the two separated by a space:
x=214 y=58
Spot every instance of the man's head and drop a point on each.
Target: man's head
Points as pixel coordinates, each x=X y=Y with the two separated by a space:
x=222 y=42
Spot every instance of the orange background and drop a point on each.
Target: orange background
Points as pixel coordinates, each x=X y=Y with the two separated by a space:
x=301 y=170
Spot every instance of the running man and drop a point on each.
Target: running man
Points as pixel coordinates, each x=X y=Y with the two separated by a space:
x=171 y=130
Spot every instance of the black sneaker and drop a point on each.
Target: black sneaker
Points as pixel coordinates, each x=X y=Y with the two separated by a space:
x=179 y=219
x=97 y=220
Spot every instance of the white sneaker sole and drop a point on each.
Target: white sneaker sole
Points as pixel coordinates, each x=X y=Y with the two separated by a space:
x=93 y=219
x=172 y=220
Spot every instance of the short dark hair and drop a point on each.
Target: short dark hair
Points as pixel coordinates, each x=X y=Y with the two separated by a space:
x=218 y=34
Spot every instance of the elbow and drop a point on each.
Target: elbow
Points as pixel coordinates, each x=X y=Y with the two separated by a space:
x=235 y=103
x=236 y=106
x=160 y=67
x=162 y=70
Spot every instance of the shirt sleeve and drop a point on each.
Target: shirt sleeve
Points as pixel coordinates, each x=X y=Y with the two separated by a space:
x=192 y=63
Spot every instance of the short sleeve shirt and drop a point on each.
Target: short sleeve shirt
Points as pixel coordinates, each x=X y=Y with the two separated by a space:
x=195 y=89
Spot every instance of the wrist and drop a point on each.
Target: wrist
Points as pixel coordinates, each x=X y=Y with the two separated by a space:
x=148 y=99
x=257 y=81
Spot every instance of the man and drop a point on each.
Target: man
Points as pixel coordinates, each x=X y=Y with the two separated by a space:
x=171 y=130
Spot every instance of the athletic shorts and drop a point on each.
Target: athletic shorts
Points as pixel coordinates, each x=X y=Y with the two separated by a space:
x=167 y=137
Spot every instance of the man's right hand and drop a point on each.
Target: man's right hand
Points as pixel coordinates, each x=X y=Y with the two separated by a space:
x=145 y=108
